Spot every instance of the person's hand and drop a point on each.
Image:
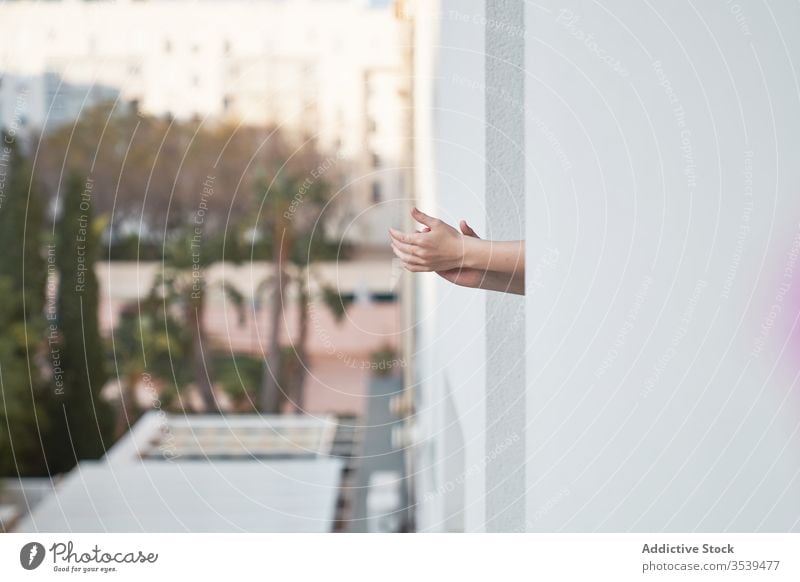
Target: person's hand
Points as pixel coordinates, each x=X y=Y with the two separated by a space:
x=464 y=276
x=461 y=258
x=439 y=247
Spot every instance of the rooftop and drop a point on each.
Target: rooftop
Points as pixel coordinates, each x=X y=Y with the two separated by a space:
x=196 y=496
x=159 y=436
x=203 y=473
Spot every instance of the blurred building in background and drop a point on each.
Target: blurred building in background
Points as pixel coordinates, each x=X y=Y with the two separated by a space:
x=331 y=70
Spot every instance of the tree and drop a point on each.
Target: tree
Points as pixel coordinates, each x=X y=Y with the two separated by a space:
x=21 y=417
x=146 y=342
x=277 y=202
x=182 y=284
x=23 y=387
x=149 y=171
x=83 y=422
x=297 y=216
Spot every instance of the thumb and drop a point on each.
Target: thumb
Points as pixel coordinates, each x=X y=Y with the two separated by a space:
x=467 y=229
x=423 y=218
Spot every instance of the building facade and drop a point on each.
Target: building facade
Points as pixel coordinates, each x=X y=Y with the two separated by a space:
x=648 y=379
x=327 y=69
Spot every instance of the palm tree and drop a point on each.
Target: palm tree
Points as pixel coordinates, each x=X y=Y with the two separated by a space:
x=183 y=288
x=294 y=207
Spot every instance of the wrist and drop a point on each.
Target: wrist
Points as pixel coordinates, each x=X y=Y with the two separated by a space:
x=471 y=252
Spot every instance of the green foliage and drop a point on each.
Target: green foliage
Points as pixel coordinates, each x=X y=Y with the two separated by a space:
x=84 y=428
x=182 y=284
x=187 y=248
x=310 y=247
x=239 y=375
x=336 y=302
x=22 y=279
x=133 y=248
x=21 y=233
x=296 y=217
x=150 y=171
x=21 y=416
x=148 y=339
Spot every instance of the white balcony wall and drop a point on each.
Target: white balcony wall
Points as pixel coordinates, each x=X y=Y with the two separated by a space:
x=451 y=332
x=662 y=346
x=662 y=219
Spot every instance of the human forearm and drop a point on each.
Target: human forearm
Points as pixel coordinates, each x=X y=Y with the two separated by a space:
x=460 y=256
x=499 y=256
x=505 y=282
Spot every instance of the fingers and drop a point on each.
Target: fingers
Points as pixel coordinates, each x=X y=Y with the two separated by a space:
x=402 y=237
x=404 y=252
x=415 y=268
x=409 y=250
x=423 y=218
x=402 y=255
x=407 y=258
x=467 y=229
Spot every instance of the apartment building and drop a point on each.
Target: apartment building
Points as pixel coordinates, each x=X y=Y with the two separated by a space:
x=328 y=69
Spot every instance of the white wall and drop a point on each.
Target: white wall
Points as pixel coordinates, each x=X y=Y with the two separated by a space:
x=505 y=313
x=451 y=350
x=662 y=222
x=661 y=393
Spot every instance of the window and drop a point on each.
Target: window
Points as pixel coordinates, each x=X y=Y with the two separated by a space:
x=387 y=297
